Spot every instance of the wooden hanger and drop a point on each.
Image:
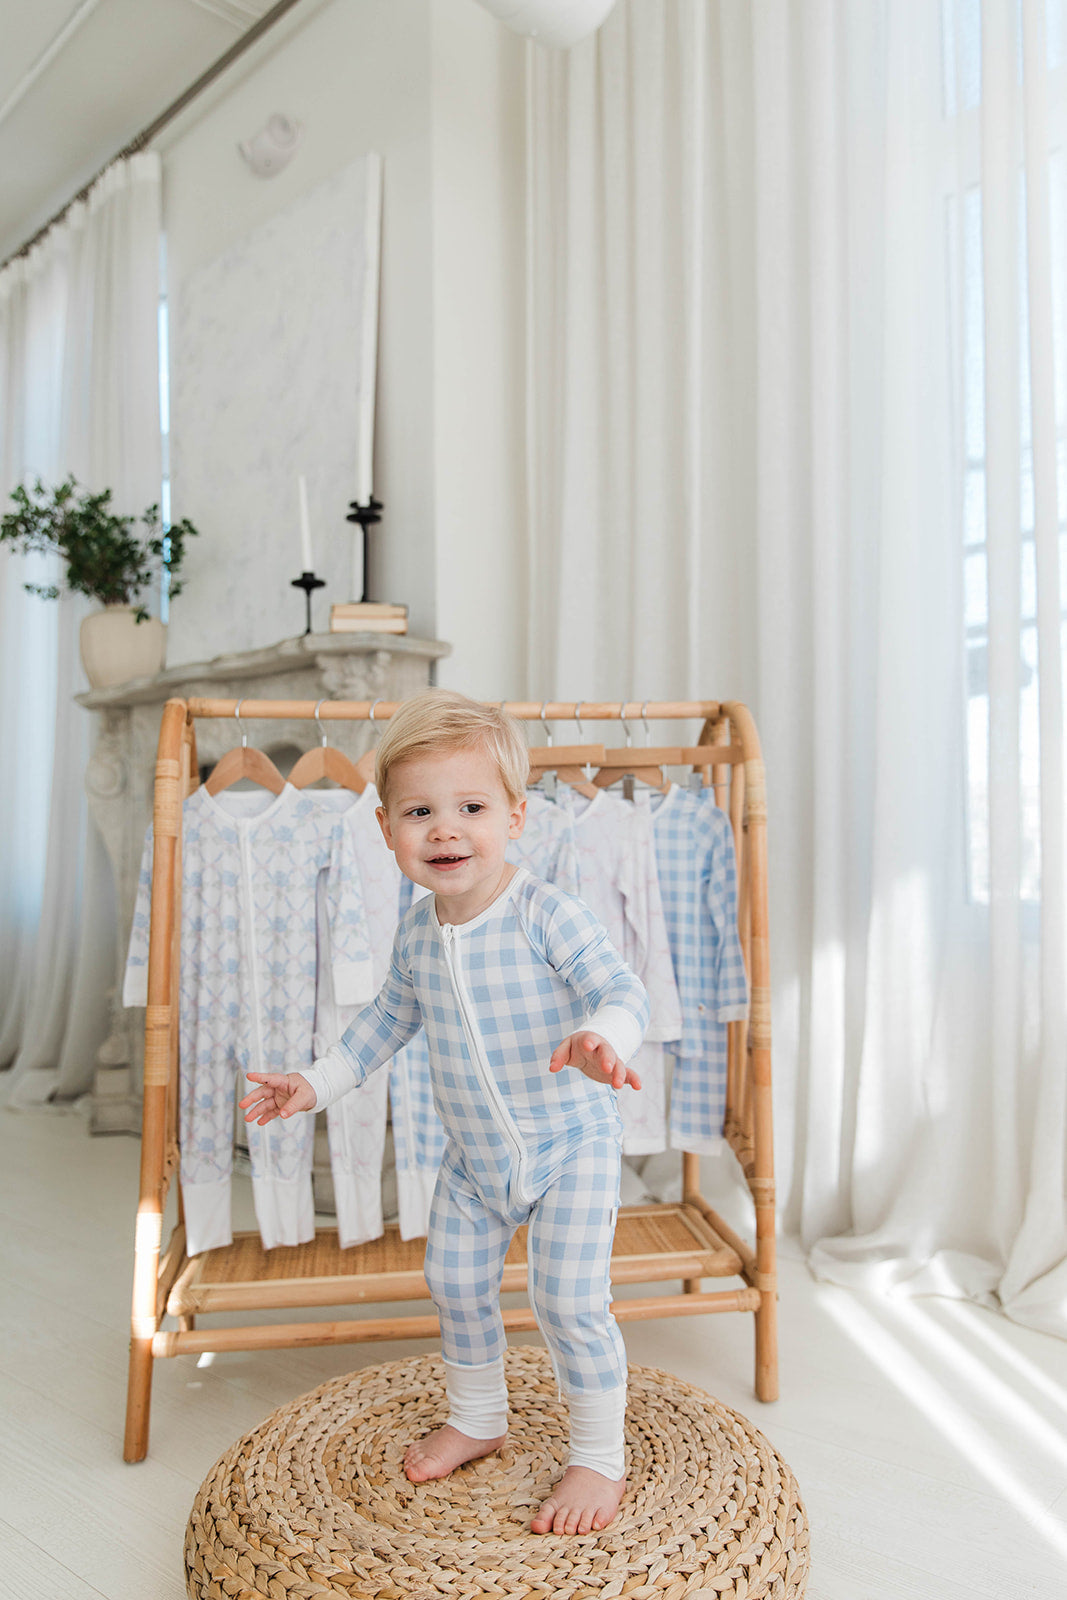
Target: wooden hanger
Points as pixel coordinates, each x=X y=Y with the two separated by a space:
x=244 y=762
x=568 y=762
x=646 y=765
x=643 y=764
x=326 y=762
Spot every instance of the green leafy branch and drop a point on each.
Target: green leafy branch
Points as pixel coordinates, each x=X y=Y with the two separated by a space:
x=106 y=557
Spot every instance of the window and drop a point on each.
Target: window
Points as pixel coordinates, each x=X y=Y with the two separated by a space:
x=962 y=40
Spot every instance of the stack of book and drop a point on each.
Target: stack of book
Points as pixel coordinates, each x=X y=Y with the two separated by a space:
x=368 y=616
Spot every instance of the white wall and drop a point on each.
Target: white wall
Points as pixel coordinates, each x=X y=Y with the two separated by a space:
x=436 y=87
x=479 y=357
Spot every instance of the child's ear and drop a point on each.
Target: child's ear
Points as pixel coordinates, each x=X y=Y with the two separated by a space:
x=383 y=823
x=517 y=819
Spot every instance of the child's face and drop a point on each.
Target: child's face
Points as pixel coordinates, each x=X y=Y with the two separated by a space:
x=448 y=822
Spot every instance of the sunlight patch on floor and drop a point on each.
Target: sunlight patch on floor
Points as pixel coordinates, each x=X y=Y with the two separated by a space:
x=918 y=1384
x=1006 y=1355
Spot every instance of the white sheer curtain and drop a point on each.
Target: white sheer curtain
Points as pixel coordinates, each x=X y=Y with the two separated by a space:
x=79 y=382
x=798 y=398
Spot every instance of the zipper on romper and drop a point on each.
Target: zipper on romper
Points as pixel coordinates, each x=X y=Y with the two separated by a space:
x=502 y=1115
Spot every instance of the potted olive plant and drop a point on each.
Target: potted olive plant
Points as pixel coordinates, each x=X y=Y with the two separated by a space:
x=110 y=559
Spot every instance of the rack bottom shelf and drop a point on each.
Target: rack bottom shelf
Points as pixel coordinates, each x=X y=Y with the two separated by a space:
x=653 y=1244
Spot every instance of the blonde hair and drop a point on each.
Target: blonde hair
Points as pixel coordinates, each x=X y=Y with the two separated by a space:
x=439 y=720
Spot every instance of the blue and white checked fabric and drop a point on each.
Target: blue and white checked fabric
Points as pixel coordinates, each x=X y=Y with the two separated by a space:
x=250 y=865
x=496 y=995
x=698 y=887
x=571 y=1224
x=548 y=849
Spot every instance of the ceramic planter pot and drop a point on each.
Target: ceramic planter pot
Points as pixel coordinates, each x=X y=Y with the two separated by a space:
x=116 y=648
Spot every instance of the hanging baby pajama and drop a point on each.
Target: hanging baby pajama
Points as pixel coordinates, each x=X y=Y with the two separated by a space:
x=250 y=866
x=698 y=883
x=418 y=1138
x=619 y=881
x=357 y=1123
x=496 y=996
x=547 y=845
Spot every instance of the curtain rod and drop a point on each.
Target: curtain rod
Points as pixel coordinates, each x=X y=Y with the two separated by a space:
x=238 y=48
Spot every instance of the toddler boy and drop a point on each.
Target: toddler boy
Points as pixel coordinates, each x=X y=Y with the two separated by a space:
x=530 y=1016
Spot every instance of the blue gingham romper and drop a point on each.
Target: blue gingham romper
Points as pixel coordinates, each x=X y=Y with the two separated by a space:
x=496 y=996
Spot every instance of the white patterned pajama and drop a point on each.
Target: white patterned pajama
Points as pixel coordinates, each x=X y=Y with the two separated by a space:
x=250 y=868
x=357 y=1122
x=547 y=845
x=618 y=880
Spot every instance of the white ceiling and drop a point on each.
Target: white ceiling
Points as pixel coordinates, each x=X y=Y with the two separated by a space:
x=80 y=78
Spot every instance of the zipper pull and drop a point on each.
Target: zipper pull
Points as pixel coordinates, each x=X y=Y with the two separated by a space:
x=448 y=932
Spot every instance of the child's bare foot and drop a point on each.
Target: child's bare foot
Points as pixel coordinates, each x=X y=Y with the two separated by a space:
x=441 y=1451
x=583 y=1501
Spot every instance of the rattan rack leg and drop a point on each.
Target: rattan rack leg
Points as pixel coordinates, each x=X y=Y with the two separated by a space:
x=767 y=1346
x=138 y=1400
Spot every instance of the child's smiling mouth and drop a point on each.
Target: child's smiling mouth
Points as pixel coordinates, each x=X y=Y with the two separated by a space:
x=446 y=861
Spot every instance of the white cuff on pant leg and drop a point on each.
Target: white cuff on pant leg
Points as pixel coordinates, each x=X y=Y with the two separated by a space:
x=285 y=1210
x=477 y=1399
x=597 y=1431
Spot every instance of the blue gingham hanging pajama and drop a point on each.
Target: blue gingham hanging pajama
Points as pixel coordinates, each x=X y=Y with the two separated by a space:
x=698 y=886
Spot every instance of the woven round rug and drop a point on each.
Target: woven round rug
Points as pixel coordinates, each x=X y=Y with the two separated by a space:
x=314 y=1502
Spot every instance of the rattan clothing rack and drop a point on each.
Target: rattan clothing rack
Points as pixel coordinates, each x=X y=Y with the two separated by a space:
x=687 y=1241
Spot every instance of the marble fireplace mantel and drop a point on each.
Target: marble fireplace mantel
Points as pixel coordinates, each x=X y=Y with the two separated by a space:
x=120 y=775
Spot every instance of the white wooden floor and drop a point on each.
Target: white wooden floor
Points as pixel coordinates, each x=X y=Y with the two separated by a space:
x=929 y=1438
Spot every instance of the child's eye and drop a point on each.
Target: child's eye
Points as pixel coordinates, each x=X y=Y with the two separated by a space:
x=473 y=807
x=418 y=811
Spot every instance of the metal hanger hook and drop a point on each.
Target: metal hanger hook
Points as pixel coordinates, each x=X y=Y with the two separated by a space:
x=237 y=714
x=644 y=719
x=626 y=725
x=578 y=720
x=318 y=719
x=548 y=730
x=370 y=714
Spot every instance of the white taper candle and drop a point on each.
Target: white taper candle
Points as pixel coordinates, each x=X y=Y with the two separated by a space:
x=305 y=526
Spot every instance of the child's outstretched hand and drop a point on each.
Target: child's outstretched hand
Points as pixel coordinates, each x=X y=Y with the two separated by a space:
x=278 y=1094
x=594 y=1056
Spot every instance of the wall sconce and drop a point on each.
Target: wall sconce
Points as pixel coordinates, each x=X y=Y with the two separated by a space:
x=274 y=146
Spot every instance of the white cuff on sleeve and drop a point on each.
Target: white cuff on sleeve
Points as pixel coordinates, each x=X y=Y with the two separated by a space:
x=332 y=1076
x=619 y=1027
x=738 y=1013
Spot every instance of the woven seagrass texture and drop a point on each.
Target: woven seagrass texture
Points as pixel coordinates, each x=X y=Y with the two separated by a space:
x=315 y=1502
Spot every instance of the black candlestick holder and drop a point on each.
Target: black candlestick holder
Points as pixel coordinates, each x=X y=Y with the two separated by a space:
x=366 y=516
x=308 y=581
